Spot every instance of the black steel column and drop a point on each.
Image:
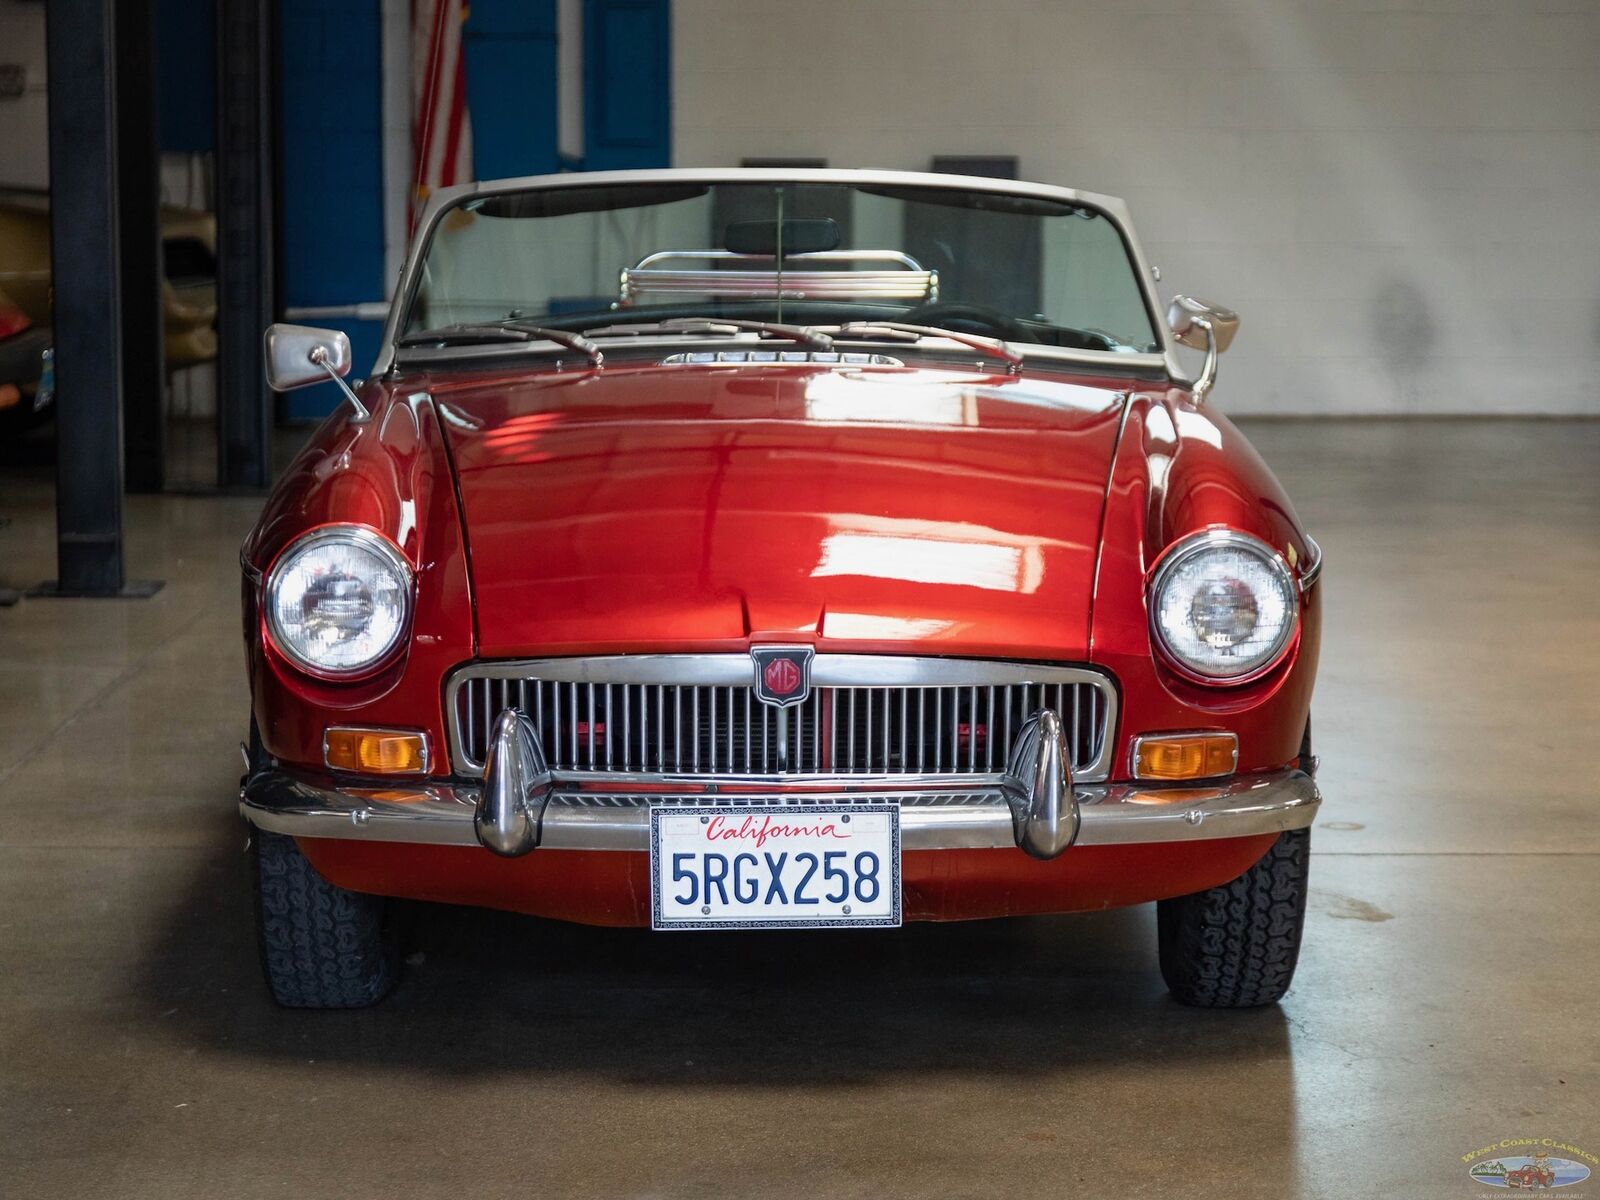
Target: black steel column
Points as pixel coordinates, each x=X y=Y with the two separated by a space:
x=139 y=195
x=84 y=220
x=246 y=154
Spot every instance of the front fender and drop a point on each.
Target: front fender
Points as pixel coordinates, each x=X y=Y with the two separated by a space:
x=1179 y=469
x=393 y=474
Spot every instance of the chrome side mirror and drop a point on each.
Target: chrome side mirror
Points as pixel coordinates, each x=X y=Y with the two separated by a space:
x=1202 y=325
x=297 y=356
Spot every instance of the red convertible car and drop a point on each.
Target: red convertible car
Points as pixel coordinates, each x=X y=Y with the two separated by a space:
x=1531 y=1175
x=739 y=549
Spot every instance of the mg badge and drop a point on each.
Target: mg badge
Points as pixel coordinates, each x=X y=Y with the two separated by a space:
x=783 y=674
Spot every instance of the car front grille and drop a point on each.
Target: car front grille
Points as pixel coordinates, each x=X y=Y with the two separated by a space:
x=665 y=716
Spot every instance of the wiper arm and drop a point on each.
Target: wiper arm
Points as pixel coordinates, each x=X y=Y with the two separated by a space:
x=506 y=331
x=802 y=335
x=903 y=331
x=561 y=337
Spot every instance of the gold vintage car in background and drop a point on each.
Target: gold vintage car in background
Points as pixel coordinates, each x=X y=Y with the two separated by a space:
x=188 y=294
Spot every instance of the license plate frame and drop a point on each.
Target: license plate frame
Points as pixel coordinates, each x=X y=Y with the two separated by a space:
x=699 y=816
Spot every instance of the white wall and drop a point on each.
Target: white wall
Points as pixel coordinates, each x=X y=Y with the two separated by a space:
x=24 y=131
x=1401 y=197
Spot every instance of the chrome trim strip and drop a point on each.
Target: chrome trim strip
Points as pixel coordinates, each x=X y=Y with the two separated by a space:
x=713 y=358
x=1313 y=568
x=827 y=671
x=959 y=819
x=252 y=573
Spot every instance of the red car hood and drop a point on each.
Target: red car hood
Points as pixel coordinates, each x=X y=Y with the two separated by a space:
x=689 y=507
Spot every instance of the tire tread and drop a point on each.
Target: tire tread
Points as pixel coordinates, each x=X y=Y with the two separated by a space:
x=321 y=946
x=1236 y=945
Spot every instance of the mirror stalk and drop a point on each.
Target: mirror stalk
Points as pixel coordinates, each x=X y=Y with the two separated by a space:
x=1208 y=371
x=319 y=356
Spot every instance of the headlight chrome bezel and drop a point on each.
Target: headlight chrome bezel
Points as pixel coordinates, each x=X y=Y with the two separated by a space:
x=1187 y=548
x=368 y=539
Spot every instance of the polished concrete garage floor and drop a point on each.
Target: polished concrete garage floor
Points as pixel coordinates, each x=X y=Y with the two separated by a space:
x=1445 y=1001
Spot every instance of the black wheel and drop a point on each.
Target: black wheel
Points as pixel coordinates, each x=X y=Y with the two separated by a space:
x=321 y=946
x=1236 y=945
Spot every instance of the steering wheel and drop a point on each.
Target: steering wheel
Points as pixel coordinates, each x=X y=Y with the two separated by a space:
x=953 y=316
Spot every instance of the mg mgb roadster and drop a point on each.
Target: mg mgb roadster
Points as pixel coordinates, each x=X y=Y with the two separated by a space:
x=768 y=549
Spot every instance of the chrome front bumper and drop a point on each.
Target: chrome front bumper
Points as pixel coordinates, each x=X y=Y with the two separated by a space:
x=1034 y=805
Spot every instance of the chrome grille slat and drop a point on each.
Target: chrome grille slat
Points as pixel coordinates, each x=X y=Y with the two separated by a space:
x=816 y=731
x=850 y=734
x=603 y=724
x=575 y=724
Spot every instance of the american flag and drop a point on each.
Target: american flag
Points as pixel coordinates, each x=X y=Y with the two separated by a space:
x=441 y=130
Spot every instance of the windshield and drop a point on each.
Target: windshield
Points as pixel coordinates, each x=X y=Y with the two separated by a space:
x=581 y=258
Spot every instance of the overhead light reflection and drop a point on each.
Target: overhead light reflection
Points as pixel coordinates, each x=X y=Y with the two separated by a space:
x=1017 y=569
x=1197 y=425
x=917 y=399
x=874 y=627
x=833 y=396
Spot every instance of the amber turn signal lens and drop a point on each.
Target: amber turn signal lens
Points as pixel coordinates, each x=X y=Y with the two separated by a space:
x=376 y=751
x=1185 y=756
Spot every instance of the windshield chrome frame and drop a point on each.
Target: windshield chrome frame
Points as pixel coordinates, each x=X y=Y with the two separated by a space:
x=1112 y=208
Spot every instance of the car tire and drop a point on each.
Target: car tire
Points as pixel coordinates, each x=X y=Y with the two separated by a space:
x=321 y=946
x=1235 y=946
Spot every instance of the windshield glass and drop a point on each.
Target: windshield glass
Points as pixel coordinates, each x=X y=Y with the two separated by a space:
x=574 y=258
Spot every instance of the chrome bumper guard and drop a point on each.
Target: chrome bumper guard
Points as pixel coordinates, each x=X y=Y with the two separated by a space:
x=1034 y=805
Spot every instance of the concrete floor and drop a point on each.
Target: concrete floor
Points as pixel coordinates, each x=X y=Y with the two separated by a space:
x=1445 y=999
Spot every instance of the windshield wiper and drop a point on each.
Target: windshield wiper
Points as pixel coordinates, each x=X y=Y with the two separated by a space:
x=802 y=335
x=561 y=337
x=506 y=331
x=904 y=332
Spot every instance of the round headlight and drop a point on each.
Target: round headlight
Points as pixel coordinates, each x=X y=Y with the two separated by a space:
x=337 y=600
x=1223 y=606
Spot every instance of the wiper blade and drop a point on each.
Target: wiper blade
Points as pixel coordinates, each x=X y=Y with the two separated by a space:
x=902 y=331
x=462 y=335
x=803 y=335
x=505 y=331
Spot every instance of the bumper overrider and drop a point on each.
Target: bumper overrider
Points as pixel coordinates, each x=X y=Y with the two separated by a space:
x=1033 y=805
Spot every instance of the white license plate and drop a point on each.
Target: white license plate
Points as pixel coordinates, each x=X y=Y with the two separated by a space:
x=774 y=867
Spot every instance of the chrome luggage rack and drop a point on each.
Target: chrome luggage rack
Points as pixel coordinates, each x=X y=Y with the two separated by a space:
x=906 y=279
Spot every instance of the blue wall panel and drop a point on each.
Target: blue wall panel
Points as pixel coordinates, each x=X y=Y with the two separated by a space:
x=627 y=84
x=510 y=48
x=332 y=122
